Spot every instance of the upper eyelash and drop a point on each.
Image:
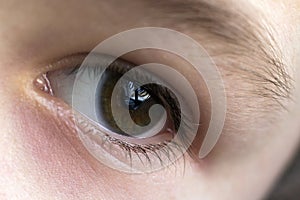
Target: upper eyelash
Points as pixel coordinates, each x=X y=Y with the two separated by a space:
x=169 y=97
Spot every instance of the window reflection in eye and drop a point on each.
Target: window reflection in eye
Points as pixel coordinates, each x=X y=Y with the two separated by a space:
x=144 y=150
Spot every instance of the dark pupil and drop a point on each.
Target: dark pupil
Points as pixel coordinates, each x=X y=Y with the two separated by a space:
x=137 y=99
x=136 y=96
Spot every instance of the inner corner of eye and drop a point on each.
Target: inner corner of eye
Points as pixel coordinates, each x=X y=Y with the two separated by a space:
x=42 y=83
x=58 y=82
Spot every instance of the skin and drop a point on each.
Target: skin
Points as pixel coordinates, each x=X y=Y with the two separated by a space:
x=40 y=156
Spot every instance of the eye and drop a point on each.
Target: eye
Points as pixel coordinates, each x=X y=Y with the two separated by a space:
x=137 y=99
x=135 y=119
x=141 y=118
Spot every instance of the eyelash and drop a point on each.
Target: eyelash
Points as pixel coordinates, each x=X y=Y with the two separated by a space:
x=166 y=94
x=145 y=150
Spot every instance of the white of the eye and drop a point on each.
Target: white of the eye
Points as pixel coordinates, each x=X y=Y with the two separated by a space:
x=83 y=99
x=62 y=85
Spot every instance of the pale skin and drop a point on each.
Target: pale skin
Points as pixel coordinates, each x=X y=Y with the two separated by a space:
x=39 y=158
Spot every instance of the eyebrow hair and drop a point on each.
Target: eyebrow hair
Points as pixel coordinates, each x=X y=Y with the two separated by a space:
x=246 y=41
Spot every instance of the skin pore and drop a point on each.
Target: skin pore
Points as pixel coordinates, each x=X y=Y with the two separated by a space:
x=40 y=155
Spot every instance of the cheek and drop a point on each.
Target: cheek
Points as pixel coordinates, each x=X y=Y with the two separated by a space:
x=50 y=159
x=59 y=165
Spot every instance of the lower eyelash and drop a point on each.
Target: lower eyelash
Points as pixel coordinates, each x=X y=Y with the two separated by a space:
x=164 y=152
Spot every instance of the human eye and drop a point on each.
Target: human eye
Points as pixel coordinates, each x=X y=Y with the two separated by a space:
x=139 y=117
x=149 y=140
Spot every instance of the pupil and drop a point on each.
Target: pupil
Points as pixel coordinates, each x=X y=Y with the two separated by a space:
x=132 y=98
x=135 y=96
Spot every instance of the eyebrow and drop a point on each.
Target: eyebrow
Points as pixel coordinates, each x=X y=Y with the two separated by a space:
x=244 y=40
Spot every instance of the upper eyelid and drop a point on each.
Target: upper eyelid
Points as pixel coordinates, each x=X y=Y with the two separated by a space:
x=276 y=81
x=55 y=63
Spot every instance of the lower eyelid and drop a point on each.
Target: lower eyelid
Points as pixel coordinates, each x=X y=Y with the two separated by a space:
x=55 y=107
x=63 y=114
x=64 y=162
x=69 y=157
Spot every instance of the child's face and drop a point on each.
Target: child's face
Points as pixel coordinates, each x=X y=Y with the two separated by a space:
x=254 y=44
